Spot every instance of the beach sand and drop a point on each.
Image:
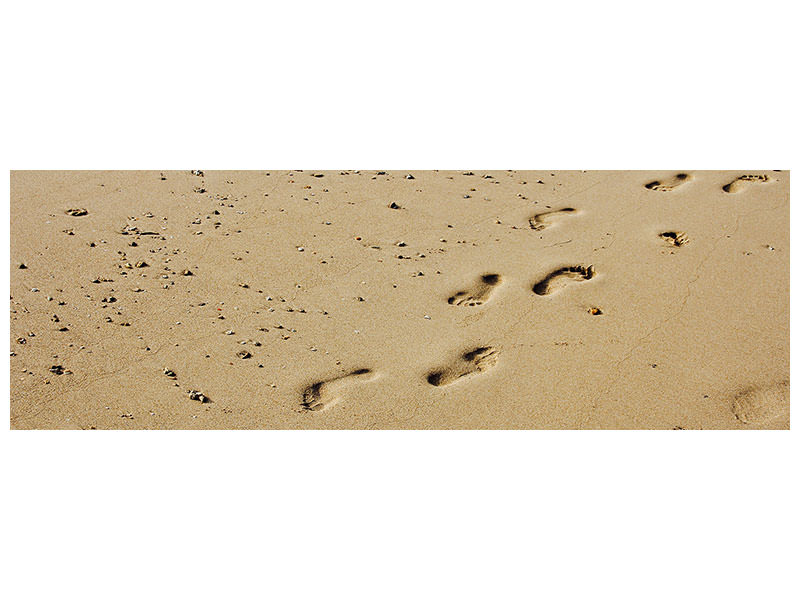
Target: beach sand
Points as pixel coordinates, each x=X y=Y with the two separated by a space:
x=399 y=300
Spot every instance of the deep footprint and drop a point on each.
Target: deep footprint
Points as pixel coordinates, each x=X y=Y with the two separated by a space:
x=562 y=277
x=324 y=394
x=543 y=220
x=468 y=364
x=670 y=184
x=479 y=294
x=742 y=182
x=674 y=238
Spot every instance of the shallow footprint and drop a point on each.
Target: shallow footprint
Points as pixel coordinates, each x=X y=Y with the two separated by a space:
x=478 y=294
x=470 y=363
x=670 y=184
x=742 y=182
x=561 y=277
x=324 y=394
x=674 y=238
x=763 y=405
x=542 y=220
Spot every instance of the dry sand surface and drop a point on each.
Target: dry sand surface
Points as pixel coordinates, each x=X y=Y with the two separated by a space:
x=422 y=299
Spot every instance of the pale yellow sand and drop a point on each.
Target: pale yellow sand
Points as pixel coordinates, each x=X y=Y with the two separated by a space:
x=309 y=302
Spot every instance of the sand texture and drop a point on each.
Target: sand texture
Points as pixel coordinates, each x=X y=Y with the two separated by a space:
x=399 y=300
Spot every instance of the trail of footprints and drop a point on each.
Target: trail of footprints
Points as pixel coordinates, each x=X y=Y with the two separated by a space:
x=751 y=406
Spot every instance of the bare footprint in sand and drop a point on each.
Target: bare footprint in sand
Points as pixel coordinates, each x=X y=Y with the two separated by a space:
x=674 y=238
x=561 y=278
x=544 y=220
x=763 y=405
x=740 y=183
x=478 y=294
x=670 y=184
x=468 y=364
x=324 y=394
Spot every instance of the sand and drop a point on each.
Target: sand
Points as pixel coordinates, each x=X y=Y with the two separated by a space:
x=399 y=300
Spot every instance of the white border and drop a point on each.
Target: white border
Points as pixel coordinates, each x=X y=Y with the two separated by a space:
x=388 y=514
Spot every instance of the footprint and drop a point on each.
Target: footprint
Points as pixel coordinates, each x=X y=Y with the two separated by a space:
x=541 y=221
x=669 y=185
x=762 y=405
x=675 y=238
x=742 y=182
x=470 y=363
x=479 y=294
x=561 y=277
x=324 y=394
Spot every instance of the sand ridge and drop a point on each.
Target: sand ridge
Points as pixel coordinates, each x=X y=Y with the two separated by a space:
x=390 y=299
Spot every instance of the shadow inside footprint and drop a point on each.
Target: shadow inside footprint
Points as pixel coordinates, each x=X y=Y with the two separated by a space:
x=741 y=182
x=324 y=394
x=560 y=277
x=470 y=363
x=543 y=220
x=670 y=184
x=674 y=238
x=479 y=293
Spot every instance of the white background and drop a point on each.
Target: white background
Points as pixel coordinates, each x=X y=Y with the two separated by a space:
x=412 y=85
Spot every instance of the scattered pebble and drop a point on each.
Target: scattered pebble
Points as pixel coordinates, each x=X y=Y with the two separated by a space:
x=77 y=212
